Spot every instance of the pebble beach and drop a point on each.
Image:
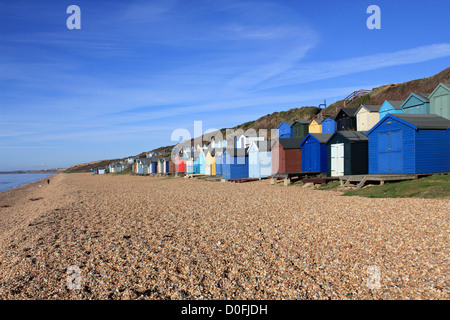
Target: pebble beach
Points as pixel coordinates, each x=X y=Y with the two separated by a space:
x=140 y=237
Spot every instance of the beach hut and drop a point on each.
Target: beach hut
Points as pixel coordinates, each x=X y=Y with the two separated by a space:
x=219 y=160
x=142 y=165
x=180 y=163
x=409 y=144
x=416 y=103
x=153 y=165
x=440 y=100
x=160 y=166
x=199 y=161
x=300 y=128
x=285 y=130
x=260 y=160
x=346 y=119
x=210 y=162
x=347 y=153
x=314 y=152
x=168 y=165
x=328 y=126
x=286 y=156
x=315 y=126
x=367 y=116
x=390 y=106
x=235 y=163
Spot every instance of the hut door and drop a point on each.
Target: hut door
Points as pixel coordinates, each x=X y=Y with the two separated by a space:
x=390 y=155
x=337 y=160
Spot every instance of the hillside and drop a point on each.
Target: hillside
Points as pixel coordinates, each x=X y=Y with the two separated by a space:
x=399 y=91
x=377 y=96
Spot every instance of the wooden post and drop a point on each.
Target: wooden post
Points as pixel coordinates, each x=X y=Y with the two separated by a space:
x=287 y=181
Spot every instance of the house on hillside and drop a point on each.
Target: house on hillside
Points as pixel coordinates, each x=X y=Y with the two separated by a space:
x=346 y=119
x=416 y=103
x=347 y=153
x=440 y=100
x=286 y=156
x=314 y=152
x=409 y=144
x=390 y=106
x=367 y=116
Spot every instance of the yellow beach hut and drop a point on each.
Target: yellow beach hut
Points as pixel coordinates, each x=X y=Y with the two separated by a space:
x=210 y=163
x=315 y=126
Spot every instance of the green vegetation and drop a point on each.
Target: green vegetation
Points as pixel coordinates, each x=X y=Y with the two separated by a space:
x=328 y=186
x=435 y=186
x=126 y=171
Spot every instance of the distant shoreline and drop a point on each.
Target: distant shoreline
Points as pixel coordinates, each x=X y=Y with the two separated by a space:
x=32 y=171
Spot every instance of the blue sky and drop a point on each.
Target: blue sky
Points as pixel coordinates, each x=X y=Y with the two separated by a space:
x=138 y=70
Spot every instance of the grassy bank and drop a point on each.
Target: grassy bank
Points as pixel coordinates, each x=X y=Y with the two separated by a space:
x=436 y=186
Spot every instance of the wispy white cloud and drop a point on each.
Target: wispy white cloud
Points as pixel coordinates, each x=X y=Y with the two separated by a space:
x=303 y=73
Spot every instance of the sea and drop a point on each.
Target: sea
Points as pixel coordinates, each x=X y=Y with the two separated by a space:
x=10 y=181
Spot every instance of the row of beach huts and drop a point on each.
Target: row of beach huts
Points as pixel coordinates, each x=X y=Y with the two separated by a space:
x=397 y=137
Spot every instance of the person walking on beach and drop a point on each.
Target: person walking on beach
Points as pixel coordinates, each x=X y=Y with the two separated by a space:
x=48 y=181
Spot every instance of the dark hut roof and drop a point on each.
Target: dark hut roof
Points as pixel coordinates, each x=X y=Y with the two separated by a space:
x=396 y=104
x=291 y=143
x=322 y=137
x=354 y=135
x=425 y=121
x=351 y=112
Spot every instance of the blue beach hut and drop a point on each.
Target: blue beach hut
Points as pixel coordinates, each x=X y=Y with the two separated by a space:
x=409 y=144
x=285 y=130
x=329 y=125
x=390 y=106
x=314 y=152
x=235 y=163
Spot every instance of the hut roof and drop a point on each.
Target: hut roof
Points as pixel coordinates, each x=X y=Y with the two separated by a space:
x=371 y=108
x=425 y=121
x=290 y=143
x=354 y=135
x=396 y=104
x=351 y=112
x=322 y=137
